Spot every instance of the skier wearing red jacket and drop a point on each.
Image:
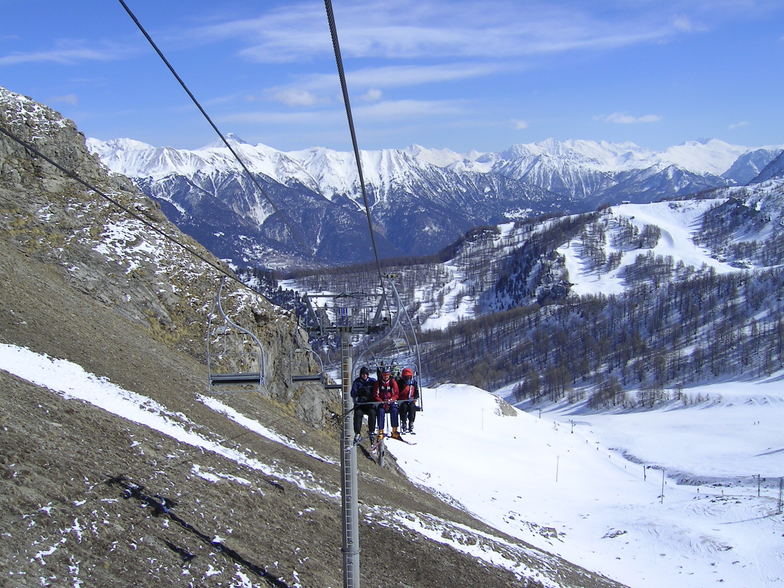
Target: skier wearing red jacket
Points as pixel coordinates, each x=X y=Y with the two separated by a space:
x=385 y=391
x=408 y=392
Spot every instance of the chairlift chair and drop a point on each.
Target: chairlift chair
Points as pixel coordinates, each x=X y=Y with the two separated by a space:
x=221 y=333
x=398 y=346
x=320 y=377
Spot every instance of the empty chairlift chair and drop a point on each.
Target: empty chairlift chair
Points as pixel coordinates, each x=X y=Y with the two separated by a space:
x=223 y=338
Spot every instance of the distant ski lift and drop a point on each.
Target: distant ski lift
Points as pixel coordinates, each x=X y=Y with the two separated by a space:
x=223 y=339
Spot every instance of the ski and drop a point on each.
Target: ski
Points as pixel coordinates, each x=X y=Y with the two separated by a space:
x=403 y=440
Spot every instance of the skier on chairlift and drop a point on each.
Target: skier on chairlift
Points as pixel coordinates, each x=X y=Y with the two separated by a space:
x=386 y=393
x=364 y=403
x=408 y=393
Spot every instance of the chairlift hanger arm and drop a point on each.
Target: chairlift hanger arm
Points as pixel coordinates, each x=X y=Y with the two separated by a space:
x=216 y=379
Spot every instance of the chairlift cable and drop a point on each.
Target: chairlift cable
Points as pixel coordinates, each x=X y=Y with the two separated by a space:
x=344 y=88
x=284 y=215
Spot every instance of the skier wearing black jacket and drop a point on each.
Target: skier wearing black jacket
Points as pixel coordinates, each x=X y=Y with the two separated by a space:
x=362 y=392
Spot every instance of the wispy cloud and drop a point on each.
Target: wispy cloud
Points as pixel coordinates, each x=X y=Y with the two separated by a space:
x=684 y=24
x=739 y=124
x=413 y=75
x=396 y=109
x=398 y=76
x=520 y=125
x=627 y=119
x=72 y=99
x=380 y=111
x=67 y=53
x=372 y=95
x=311 y=117
x=322 y=87
x=225 y=99
x=294 y=97
x=439 y=28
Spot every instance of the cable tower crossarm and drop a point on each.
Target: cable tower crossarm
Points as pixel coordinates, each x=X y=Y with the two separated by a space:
x=231 y=149
x=344 y=88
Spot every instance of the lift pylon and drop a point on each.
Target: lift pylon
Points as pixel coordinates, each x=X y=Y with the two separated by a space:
x=346 y=315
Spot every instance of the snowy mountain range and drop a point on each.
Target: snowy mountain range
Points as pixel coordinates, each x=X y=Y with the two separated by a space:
x=421 y=199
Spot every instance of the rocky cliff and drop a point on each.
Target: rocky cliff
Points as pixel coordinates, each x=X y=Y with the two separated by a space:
x=122 y=263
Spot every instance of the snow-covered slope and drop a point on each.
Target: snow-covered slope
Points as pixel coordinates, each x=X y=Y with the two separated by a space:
x=678 y=221
x=774 y=169
x=748 y=166
x=703 y=157
x=589 y=487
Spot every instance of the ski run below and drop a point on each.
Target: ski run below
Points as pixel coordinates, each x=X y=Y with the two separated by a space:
x=665 y=497
x=589 y=486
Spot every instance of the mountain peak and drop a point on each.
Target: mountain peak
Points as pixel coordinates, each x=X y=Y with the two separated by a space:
x=119 y=144
x=218 y=143
x=233 y=138
x=704 y=156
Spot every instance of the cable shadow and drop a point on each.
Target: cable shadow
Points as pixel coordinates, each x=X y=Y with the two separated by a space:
x=162 y=506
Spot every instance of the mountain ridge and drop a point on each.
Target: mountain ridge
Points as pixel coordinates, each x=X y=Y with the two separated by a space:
x=712 y=156
x=437 y=193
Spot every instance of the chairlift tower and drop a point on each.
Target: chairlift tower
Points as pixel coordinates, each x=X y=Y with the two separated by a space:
x=346 y=315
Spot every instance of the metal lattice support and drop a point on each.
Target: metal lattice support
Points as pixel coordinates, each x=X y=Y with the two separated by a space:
x=346 y=315
x=348 y=463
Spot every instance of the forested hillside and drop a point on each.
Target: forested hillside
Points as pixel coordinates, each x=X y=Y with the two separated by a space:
x=635 y=297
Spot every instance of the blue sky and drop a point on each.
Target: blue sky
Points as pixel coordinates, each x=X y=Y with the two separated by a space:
x=439 y=73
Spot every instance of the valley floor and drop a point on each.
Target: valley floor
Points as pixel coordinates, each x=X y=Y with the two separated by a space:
x=666 y=497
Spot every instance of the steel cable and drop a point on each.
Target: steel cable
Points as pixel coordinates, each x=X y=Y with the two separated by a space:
x=125 y=209
x=344 y=88
x=286 y=219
